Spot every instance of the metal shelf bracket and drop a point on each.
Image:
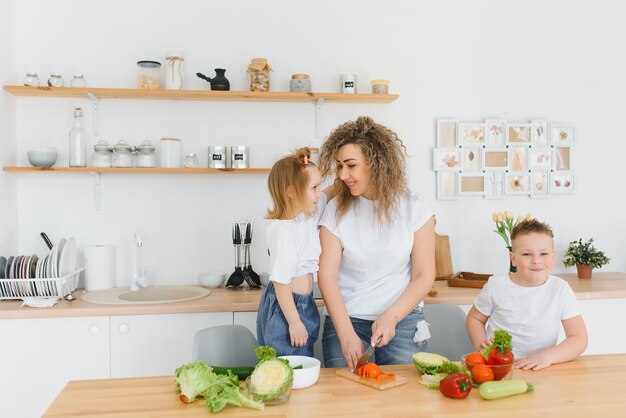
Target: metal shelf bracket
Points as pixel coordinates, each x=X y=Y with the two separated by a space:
x=318 y=111
x=97 y=188
x=95 y=107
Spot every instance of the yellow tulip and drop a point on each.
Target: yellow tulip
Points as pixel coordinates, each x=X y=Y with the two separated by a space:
x=520 y=219
x=508 y=214
x=529 y=217
x=494 y=217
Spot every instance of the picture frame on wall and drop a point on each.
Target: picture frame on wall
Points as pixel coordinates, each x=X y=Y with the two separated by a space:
x=518 y=159
x=539 y=135
x=446 y=159
x=494 y=185
x=471 y=184
x=495 y=159
x=539 y=184
x=562 y=158
x=446 y=133
x=471 y=133
x=562 y=134
x=540 y=158
x=518 y=133
x=494 y=129
x=562 y=182
x=471 y=159
x=447 y=185
x=517 y=184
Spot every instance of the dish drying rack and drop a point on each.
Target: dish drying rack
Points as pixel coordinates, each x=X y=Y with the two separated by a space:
x=39 y=288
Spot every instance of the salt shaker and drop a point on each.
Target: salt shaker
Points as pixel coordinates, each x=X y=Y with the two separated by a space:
x=78 y=81
x=32 y=79
x=55 y=80
x=190 y=161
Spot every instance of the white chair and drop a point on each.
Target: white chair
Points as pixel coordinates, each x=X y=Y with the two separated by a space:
x=225 y=346
x=447 y=329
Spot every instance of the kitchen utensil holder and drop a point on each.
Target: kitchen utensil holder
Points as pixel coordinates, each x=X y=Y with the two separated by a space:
x=39 y=288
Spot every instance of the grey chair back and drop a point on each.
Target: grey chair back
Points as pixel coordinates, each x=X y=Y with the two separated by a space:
x=447 y=329
x=225 y=346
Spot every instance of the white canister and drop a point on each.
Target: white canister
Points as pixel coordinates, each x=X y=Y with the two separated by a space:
x=348 y=83
x=239 y=157
x=171 y=152
x=219 y=156
x=174 y=70
x=99 y=267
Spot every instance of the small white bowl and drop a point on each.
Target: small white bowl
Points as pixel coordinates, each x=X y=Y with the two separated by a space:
x=42 y=157
x=212 y=279
x=308 y=374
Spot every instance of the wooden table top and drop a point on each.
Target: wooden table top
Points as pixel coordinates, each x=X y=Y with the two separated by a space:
x=592 y=386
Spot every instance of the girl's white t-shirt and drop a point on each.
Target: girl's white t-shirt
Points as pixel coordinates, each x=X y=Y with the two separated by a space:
x=532 y=315
x=294 y=245
x=376 y=262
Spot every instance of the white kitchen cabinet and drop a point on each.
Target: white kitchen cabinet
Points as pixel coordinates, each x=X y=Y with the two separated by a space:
x=39 y=356
x=155 y=345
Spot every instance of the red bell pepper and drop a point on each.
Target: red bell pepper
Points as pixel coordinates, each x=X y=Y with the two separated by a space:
x=456 y=385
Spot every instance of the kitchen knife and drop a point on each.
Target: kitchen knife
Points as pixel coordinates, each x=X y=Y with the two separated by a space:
x=368 y=353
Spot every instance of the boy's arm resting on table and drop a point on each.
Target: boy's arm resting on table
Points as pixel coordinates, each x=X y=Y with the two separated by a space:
x=422 y=279
x=297 y=331
x=572 y=346
x=328 y=276
x=475 y=324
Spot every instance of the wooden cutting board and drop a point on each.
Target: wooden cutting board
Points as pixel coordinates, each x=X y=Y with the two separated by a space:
x=372 y=382
x=443 y=258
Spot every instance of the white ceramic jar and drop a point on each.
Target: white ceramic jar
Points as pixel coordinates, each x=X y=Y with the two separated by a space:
x=171 y=152
x=219 y=156
x=239 y=157
x=174 y=70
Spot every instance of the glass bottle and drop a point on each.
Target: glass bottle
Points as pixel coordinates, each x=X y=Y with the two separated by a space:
x=190 y=161
x=174 y=70
x=55 y=80
x=32 y=79
x=78 y=81
x=78 y=141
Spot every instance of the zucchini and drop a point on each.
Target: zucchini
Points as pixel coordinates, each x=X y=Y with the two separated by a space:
x=502 y=388
x=241 y=371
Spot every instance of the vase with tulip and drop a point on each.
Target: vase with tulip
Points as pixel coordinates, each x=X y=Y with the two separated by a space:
x=505 y=222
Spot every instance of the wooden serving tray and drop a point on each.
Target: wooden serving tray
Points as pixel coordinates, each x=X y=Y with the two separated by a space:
x=371 y=382
x=468 y=279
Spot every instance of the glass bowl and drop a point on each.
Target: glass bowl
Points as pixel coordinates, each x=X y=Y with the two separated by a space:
x=281 y=398
x=500 y=371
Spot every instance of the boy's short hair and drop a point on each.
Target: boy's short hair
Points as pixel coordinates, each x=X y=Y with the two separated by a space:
x=529 y=227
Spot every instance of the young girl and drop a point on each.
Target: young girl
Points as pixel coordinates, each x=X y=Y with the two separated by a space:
x=288 y=319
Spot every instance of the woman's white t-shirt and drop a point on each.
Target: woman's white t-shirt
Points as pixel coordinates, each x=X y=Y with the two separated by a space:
x=532 y=315
x=376 y=262
x=294 y=245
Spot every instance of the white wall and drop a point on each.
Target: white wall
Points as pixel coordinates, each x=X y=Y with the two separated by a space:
x=8 y=205
x=469 y=60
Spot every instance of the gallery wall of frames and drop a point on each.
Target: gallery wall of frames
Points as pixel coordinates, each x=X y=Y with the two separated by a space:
x=499 y=158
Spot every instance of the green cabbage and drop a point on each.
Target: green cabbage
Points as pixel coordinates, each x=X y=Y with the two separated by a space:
x=192 y=379
x=271 y=378
x=428 y=363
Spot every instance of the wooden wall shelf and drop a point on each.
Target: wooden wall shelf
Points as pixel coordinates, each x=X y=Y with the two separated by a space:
x=138 y=170
x=110 y=93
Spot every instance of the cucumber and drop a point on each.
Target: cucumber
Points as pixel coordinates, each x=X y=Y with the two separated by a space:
x=502 y=388
x=241 y=372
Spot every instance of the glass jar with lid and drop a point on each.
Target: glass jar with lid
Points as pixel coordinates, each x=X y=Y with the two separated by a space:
x=78 y=81
x=148 y=75
x=122 y=155
x=190 y=161
x=55 y=80
x=101 y=156
x=145 y=156
x=32 y=79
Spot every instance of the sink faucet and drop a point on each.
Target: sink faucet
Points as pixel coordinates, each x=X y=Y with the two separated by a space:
x=138 y=279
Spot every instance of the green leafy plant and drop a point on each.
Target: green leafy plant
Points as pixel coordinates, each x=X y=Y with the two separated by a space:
x=579 y=252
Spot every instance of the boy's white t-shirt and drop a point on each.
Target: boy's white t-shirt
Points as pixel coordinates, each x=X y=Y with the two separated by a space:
x=375 y=265
x=532 y=315
x=294 y=245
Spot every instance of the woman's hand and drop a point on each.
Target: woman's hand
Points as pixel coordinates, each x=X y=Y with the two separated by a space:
x=298 y=334
x=352 y=349
x=384 y=326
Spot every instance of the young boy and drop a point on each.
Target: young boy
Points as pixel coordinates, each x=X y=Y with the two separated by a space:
x=530 y=304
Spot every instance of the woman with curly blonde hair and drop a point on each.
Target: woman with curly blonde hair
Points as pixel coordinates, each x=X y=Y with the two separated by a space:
x=378 y=249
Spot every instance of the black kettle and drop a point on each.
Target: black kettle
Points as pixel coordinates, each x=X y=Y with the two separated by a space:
x=219 y=82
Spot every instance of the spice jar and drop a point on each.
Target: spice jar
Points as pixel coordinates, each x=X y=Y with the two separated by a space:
x=101 y=156
x=174 y=70
x=190 y=161
x=300 y=82
x=55 y=80
x=32 y=79
x=380 y=86
x=78 y=81
x=122 y=155
x=148 y=74
x=348 y=83
x=145 y=156
x=259 y=75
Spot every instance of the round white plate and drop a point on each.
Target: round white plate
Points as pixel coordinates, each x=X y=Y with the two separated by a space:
x=51 y=258
x=67 y=259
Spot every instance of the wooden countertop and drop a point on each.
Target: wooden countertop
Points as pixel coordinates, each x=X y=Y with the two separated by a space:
x=590 y=386
x=601 y=286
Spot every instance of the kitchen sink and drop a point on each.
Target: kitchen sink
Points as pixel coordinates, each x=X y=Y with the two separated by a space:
x=151 y=294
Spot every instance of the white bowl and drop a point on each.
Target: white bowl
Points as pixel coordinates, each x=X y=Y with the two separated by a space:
x=42 y=157
x=308 y=374
x=212 y=279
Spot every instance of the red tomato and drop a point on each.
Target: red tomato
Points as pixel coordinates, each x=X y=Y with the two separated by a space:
x=474 y=359
x=504 y=358
x=482 y=373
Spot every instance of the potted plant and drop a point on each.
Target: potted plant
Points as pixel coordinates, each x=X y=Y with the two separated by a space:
x=585 y=256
